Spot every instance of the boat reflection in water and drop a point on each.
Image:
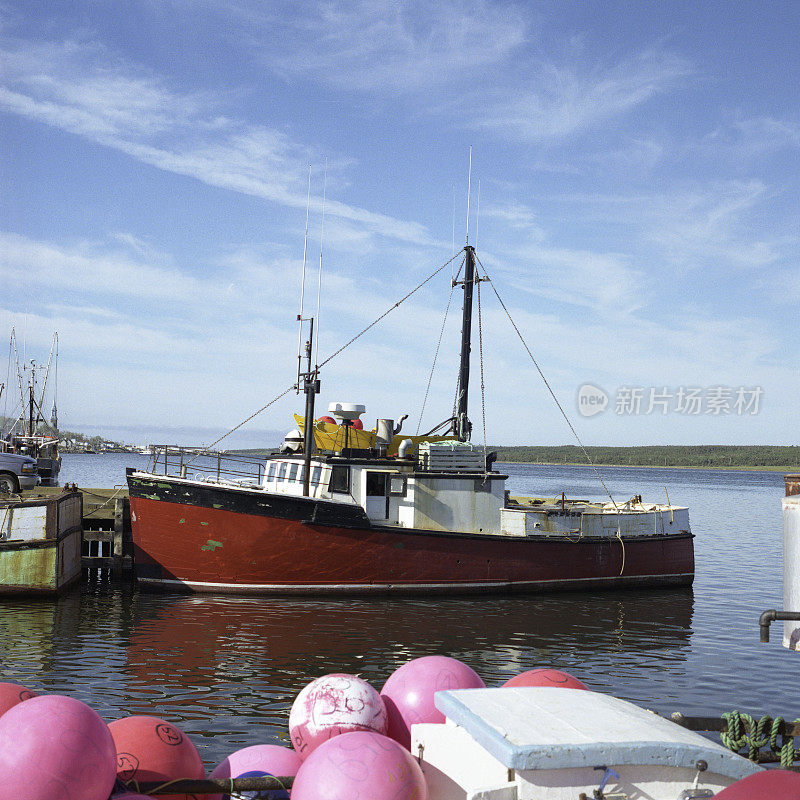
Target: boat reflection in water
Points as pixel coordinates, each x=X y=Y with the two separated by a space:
x=230 y=667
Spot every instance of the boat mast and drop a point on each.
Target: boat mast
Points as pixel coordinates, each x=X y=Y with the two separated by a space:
x=462 y=427
x=31 y=404
x=311 y=388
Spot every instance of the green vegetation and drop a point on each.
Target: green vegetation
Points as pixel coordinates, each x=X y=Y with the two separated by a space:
x=720 y=456
x=714 y=456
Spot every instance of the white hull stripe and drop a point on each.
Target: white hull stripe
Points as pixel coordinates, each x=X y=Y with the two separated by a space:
x=342 y=588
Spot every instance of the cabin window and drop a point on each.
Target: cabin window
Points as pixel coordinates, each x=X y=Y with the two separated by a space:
x=282 y=471
x=376 y=484
x=315 y=475
x=397 y=485
x=340 y=479
x=293 y=472
x=271 y=471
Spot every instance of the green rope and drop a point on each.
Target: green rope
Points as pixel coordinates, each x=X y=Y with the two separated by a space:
x=737 y=735
x=786 y=749
x=743 y=731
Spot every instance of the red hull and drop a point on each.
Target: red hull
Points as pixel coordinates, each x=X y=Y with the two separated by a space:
x=202 y=548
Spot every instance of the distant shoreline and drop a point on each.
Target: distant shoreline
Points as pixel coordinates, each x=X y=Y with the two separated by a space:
x=738 y=468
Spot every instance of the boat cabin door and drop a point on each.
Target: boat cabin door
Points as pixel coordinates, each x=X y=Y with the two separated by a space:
x=377 y=499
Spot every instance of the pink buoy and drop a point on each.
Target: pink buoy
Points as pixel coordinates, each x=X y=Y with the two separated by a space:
x=358 y=425
x=328 y=420
x=11 y=694
x=409 y=692
x=546 y=677
x=150 y=749
x=772 y=784
x=55 y=747
x=258 y=760
x=360 y=766
x=331 y=705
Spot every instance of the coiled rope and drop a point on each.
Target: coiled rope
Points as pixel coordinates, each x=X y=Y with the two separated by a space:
x=744 y=732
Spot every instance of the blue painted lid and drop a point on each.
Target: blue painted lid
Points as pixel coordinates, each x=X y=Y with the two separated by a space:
x=554 y=728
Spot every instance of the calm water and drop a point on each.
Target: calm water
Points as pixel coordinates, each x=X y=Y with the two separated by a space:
x=226 y=669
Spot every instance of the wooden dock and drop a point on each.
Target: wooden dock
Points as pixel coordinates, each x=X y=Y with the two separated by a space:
x=106 y=544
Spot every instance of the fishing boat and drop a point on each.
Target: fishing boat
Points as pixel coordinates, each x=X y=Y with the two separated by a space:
x=29 y=434
x=355 y=511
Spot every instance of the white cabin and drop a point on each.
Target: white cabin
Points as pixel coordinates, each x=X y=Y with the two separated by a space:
x=446 y=488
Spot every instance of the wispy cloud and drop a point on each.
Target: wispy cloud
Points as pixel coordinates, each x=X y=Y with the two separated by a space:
x=559 y=98
x=709 y=225
x=77 y=88
x=752 y=137
x=603 y=282
x=389 y=47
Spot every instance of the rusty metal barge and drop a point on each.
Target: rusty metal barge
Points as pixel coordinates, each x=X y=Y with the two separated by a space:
x=40 y=543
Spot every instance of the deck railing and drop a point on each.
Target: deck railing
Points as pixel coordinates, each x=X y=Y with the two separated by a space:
x=198 y=463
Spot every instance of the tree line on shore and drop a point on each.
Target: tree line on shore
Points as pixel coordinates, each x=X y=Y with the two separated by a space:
x=711 y=455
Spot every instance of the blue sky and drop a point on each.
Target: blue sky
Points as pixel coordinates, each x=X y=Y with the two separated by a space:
x=634 y=200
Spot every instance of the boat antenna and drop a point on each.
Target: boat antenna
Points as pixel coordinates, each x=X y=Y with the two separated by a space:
x=454 y=219
x=54 y=415
x=8 y=374
x=19 y=379
x=319 y=273
x=303 y=288
x=477 y=212
x=454 y=231
x=53 y=349
x=469 y=188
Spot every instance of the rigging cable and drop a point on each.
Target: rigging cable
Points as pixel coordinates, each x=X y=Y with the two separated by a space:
x=483 y=385
x=435 y=357
x=333 y=355
x=388 y=311
x=549 y=389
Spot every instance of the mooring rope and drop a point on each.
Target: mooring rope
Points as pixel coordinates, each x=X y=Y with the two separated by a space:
x=743 y=731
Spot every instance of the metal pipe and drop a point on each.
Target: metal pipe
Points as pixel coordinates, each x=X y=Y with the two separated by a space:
x=212 y=785
x=770 y=616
